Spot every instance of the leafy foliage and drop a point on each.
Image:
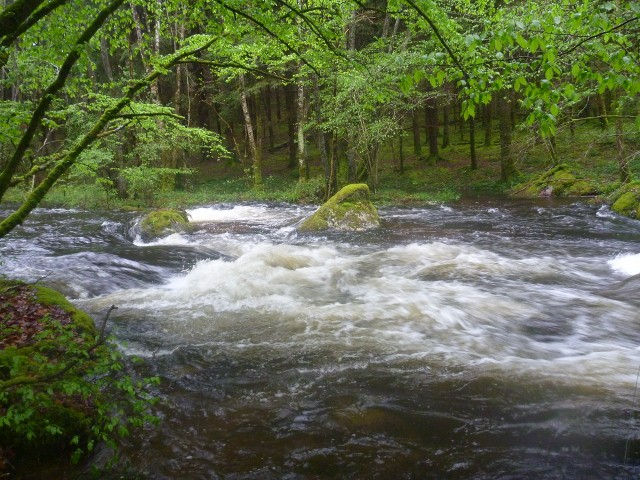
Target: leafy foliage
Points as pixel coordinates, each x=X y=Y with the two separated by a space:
x=63 y=384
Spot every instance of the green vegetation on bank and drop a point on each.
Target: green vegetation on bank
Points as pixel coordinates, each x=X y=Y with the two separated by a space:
x=63 y=383
x=587 y=155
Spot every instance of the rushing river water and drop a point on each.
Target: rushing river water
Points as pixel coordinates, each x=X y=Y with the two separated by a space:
x=487 y=339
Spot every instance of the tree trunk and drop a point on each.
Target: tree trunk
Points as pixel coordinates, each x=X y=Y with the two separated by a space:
x=487 y=120
x=303 y=166
x=401 y=152
x=289 y=96
x=507 y=165
x=248 y=125
x=472 y=143
x=106 y=62
x=431 y=118
x=257 y=161
x=417 y=146
x=269 y=116
x=623 y=164
x=446 y=133
x=321 y=137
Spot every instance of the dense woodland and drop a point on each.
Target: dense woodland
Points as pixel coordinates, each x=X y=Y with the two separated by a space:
x=135 y=96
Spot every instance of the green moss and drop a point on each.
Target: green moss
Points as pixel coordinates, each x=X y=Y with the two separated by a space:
x=79 y=318
x=349 y=209
x=162 y=222
x=560 y=181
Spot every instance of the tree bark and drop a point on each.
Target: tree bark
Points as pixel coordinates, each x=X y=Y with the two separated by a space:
x=446 y=131
x=507 y=165
x=487 y=120
x=248 y=125
x=431 y=118
x=472 y=143
x=417 y=146
x=303 y=166
x=289 y=96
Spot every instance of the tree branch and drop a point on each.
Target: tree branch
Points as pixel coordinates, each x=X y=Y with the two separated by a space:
x=49 y=94
x=69 y=158
x=596 y=35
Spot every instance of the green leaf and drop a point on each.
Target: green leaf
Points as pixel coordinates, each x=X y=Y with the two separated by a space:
x=548 y=74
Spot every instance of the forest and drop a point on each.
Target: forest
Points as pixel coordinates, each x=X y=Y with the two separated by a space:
x=141 y=99
x=466 y=340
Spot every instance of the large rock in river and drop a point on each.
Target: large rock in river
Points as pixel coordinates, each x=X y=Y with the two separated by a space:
x=160 y=223
x=626 y=200
x=349 y=209
x=560 y=181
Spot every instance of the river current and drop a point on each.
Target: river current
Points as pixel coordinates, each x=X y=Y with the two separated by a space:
x=485 y=339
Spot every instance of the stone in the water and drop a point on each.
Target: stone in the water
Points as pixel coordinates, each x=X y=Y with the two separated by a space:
x=161 y=223
x=626 y=200
x=350 y=209
x=560 y=181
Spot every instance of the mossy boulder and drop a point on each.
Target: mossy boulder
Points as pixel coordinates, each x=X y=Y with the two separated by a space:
x=38 y=326
x=161 y=223
x=350 y=209
x=626 y=200
x=560 y=181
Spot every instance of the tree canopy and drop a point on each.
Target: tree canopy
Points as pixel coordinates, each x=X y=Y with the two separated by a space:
x=128 y=94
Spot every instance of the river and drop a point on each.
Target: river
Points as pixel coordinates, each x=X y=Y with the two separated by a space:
x=485 y=339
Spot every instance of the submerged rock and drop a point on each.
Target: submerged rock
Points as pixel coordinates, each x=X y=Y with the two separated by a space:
x=560 y=181
x=626 y=200
x=160 y=223
x=349 y=209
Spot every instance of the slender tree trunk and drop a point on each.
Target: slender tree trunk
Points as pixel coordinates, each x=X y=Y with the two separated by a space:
x=488 y=114
x=248 y=125
x=321 y=137
x=352 y=167
x=417 y=145
x=257 y=162
x=106 y=61
x=623 y=164
x=289 y=96
x=446 y=133
x=507 y=165
x=269 y=116
x=276 y=92
x=431 y=117
x=401 y=152
x=472 y=143
x=303 y=166
x=602 y=112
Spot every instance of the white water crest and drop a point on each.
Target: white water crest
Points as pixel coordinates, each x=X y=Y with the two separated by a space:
x=446 y=304
x=244 y=213
x=627 y=264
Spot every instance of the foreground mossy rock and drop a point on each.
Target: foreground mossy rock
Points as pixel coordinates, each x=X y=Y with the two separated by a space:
x=40 y=387
x=560 y=181
x=349 y=209
x=161 y=223
x=626 y=200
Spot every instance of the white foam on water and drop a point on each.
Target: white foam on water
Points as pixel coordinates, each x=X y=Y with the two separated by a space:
x=172 y=239
x=261 y=214
x=422 y=300
x=627 y=264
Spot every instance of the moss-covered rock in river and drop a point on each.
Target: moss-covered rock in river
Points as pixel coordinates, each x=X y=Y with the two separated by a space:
x=349 y=209
x=160 y=223
x=626 y=200
x=560 y=181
